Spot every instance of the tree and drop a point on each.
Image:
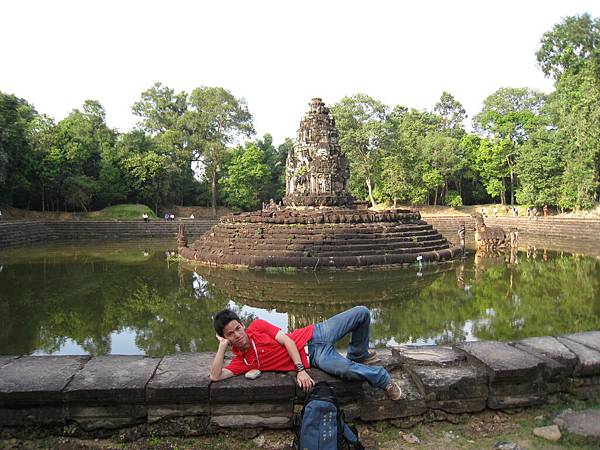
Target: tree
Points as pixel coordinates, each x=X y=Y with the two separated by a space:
x=216 y=119
x=163 y=116
x=16 y=155
x=570 y=53
x=508 y=116
x=361 y=123
x=148 y=173
x=444 y=162
x=452 y=113
x=403 y=157
x=81 y=139
x=161 y=111
x=571 y=46
x=275 y=160
x=247 y=176
x=540 y=167
x=43 y=138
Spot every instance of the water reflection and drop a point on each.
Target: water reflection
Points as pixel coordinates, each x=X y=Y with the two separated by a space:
x=139 y=298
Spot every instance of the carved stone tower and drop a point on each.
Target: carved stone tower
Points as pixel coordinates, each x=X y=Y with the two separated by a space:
x=316 y=170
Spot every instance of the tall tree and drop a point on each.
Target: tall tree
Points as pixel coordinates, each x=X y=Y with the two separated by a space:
x=571 y=46
x=540 y=167
x=82 y=137
x=445 y=162
x=403 y=161
x=570 y=53
x=361 y=123
x=247 y=177
x=508 y=116
x=275 y=159
x=452 y=113
x=43 y=138
x=217 y=119
x=16 y=155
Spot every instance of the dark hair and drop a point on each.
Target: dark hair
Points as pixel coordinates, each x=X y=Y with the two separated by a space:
x=222 y=318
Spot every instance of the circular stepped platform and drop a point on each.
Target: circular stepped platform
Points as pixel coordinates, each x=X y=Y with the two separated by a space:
x=320 y=238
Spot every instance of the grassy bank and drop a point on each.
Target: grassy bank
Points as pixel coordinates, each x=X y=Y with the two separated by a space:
x=120 y=212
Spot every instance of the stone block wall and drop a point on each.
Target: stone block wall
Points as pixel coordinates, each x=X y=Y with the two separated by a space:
x=82 y=395
x=554 y=233
x=16 y=233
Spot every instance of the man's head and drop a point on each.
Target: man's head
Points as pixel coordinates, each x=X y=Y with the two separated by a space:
x=229 y=326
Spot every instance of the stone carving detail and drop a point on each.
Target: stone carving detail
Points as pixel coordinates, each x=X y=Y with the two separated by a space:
x=316 y=169
x=488 y=237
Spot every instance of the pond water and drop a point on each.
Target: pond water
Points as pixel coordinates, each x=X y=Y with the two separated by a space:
x=137 y=298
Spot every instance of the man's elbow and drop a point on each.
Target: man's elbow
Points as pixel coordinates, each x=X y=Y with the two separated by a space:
x=215 y=378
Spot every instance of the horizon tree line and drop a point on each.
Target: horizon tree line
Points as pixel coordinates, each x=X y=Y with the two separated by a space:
x=526 y=147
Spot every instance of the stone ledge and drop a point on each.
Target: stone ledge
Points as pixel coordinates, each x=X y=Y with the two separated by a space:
x=37 y=380
x=16 y=233
x=181 y=378
x=114 y=379
x=174 y=395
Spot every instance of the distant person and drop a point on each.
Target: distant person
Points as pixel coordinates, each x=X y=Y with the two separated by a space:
x=167 y=216
x=515 y=211
x=192 y=216
x=172 y=216
x=545 y=209
x=495 y=211
x=484 y=212
x=534 y=213
x=528 y=211
x=145 y=217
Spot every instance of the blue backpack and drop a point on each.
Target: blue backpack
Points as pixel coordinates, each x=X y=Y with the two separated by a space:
x=321 y=424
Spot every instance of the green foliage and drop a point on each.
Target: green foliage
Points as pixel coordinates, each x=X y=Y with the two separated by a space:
x=16 y=154
x=452 y=113
x=247 y=175
x=123 y=211
x=570 y=46
x=508 y=118
x=217 y=118
x=275 y=159
x=570 y=53
x=361 y=122
x=454 y=199
x=540 y=167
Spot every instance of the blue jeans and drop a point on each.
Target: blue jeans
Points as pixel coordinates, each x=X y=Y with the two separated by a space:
x=322 y=354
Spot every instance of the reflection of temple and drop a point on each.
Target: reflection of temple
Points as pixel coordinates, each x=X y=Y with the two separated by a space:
x=320 y=227
x=308 y=297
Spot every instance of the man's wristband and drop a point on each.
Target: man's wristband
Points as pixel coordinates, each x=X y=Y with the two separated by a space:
x=299 y=367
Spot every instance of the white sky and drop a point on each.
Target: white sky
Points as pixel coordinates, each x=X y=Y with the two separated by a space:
x=276 y=54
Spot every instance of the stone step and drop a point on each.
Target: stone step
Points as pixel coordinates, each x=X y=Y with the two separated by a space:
x=297 y=245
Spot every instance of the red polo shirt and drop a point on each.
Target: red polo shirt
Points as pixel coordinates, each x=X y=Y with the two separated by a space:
x=271 y=354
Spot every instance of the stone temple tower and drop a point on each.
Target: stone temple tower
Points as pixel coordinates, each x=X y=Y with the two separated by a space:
x=320 y=227
x=316 y=170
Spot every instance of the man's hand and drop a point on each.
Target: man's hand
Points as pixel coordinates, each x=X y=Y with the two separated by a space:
x=305 y=382
x=222 y=340
x=216 y=371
